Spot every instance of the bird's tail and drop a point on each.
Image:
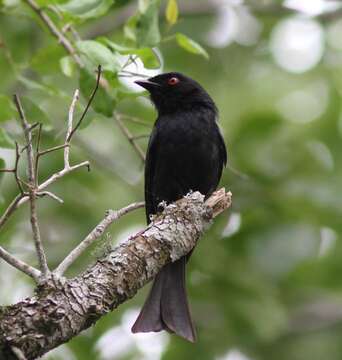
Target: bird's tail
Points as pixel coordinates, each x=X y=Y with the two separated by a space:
x=166 y=307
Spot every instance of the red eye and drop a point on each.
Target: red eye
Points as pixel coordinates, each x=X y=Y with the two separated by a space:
x=173 y=81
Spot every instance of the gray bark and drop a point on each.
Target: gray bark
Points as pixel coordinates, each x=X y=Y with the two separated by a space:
x=61 y=309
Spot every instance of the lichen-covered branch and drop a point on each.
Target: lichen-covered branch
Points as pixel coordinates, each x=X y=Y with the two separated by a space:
x=61 y=309
x=111 y=216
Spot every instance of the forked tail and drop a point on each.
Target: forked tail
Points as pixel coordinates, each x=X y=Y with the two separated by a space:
x=166 y=307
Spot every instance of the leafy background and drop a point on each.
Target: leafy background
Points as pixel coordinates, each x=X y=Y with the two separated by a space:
x=265 y=281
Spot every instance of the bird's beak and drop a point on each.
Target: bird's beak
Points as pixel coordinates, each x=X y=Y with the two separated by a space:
x=147 y=84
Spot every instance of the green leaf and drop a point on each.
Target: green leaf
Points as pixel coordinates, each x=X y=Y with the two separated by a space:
x=2 y=166
x=98 y=54
x=143 y=28
x=130 y=28
x=46 y=60
x=147 y=26
x=102 y=103
x=143 y=5
x=86 y=9
x=7 y=4
x=34 y=85
x=34 y=113
x=149 y=58
x=171 y=12
x=7 y=111
x=5 y=140
x=67 y=65
x=146 y=55
x=190 y=45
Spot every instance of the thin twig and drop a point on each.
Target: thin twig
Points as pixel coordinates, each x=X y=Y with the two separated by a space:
x=130 y=60
x=129 y=136
x=61 y=173
x=17 y=179
x=132 y=73
x=35 y=190
x=51 y=195
x=20 y=265
x=111 y=216
x=63 y=40
x=33 y=126
x=238 y=173
x=55 y=10
x=135 y=120
x=23 y=149
x=36 y=159
x=15 y=169
x=11 y=208
x=99 y=70
x=71 y=50
x=69 y=128
x=52 y=179
x=32 y=189
x=54 y=148
x=21 y=199
x=28 y=137
x=141 y=136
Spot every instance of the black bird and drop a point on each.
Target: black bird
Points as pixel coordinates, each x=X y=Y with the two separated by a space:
x=186 y=152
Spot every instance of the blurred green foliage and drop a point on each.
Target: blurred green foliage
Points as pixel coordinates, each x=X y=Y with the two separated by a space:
x=264 y=282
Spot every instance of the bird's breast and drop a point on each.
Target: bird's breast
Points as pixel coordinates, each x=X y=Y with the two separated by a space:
x=188 y=156
x=185 y=132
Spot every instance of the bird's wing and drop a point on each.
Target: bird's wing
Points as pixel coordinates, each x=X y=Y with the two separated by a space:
x=150 y=165
x=222 y=148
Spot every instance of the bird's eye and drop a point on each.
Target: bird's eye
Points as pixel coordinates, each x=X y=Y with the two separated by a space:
x=173 y=81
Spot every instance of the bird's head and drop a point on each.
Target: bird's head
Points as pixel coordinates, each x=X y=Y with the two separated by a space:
x=171 y=92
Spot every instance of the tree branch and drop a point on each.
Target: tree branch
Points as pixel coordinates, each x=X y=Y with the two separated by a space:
x=17 y=179
x=20 y=265
x=53 y=178
x=15 y=169
x=32 y=188
x=69 y=128
x=11 y=208
x=63 y=308
x=55 y=31
x=51 y=195
x=129 y=136
x=24 y=197
x=111 y=216
x=73 y=130
x=103 y=82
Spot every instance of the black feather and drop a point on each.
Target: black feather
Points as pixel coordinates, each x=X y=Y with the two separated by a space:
x=186 y=152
